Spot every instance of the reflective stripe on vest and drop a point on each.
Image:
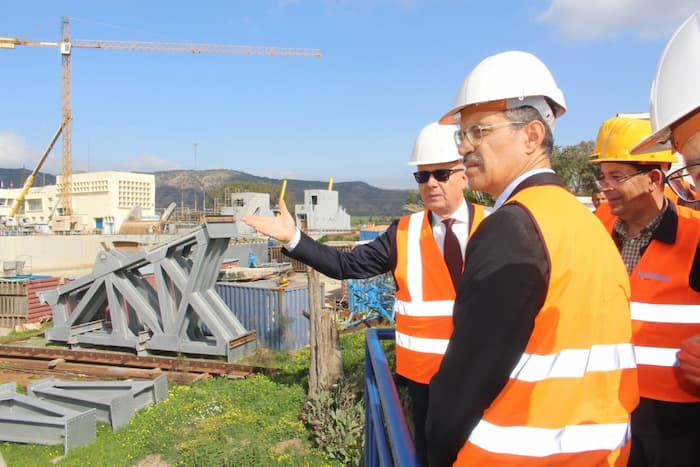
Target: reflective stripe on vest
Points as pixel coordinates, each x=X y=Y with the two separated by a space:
x=541 y=442
x=569 y=398
x=656 y=356
x=422 y=344
x=574 y=363
x=427 y=309
x=661 y=313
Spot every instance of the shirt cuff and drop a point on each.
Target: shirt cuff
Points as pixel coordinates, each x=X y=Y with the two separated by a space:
x=289 y=246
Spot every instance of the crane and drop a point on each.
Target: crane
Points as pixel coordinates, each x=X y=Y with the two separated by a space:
x=66 y=45
x=30 y=180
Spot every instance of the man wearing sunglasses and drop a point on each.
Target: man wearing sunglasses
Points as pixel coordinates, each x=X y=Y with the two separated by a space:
x=414 y=248
x=539 y=369
x=658 y=241
x=672 y=426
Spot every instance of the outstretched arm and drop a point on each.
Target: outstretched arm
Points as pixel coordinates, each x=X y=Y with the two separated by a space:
x=280 y=227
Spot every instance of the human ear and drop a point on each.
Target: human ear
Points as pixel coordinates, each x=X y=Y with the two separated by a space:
x=534 y=134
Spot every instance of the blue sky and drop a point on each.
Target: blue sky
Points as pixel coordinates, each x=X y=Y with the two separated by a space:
x=388 y=68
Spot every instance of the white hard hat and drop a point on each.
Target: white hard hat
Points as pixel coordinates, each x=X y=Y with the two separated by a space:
x=434 y=145
x=675 y=91
x=509 y=80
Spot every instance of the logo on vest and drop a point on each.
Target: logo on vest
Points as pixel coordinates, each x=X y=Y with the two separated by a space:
x=653 y=275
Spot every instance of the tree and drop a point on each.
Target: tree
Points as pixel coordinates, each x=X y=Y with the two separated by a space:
x=572 y=164
x=413 y=201
x=479 y=197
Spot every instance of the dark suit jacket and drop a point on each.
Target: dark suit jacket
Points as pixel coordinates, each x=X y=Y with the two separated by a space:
x=367 y=260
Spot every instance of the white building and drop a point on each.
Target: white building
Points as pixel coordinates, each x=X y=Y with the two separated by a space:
x=321 y=212
x=37 y=206
x=243 y=204
x=102 y=200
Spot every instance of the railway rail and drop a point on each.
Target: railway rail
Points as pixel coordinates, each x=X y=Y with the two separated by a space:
x=106 y=364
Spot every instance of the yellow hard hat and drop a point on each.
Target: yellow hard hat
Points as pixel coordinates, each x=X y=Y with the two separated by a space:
x=618 y=135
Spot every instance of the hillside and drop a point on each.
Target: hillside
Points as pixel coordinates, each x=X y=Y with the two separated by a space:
x=181 y=186
x=14 y=178
x=358 y=198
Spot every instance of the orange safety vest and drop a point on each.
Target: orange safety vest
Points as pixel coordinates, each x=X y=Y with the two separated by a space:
x=424 y=297
x=665 y=310
x=569 y=398
x=603 y=213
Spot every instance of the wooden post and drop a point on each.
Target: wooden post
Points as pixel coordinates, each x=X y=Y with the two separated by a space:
x=326 y=365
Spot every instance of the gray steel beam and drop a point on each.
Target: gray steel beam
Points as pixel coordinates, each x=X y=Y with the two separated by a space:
x=116 y=402
x=25 y=419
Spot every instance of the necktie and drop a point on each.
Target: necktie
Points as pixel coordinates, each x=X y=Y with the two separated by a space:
x=452 y=252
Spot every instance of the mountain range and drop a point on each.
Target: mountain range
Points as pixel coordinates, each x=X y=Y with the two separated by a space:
x=189 y=188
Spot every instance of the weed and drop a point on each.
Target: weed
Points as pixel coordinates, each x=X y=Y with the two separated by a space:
x=336 y=422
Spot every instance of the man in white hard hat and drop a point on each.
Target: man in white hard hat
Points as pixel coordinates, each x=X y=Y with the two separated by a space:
x=672 y=430
x=540 y=366
x=416 y=249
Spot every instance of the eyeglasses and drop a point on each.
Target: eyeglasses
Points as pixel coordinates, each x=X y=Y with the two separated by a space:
x=475 y=133
x=682 y=182
x=441 y=175
x=616 y=180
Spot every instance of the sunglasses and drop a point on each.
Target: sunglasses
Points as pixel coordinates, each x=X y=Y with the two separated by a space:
x=441 y=175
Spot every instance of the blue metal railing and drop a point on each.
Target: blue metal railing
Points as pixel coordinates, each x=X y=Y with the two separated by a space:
x=387 y=439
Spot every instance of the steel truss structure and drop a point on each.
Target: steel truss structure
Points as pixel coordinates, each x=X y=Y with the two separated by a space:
x=116 y=306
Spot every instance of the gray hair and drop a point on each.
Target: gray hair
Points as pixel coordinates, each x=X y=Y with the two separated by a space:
x=527 y=114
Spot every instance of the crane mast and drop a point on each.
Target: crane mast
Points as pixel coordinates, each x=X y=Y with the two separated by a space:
x=66 y=191
x=66 y=46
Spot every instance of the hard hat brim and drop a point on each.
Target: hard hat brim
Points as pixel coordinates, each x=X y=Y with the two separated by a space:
x=548 y=113
x=657 y=141
x=453 y=117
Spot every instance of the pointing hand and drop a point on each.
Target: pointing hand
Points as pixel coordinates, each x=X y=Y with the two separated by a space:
x=280 y=227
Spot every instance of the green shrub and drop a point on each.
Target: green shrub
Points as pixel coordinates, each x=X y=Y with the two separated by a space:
x=335 y=420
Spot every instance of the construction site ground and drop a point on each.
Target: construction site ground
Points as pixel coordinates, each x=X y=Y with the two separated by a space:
x=332 y=287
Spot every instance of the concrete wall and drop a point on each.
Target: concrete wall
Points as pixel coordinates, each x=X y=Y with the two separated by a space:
x=49 y=254
x=74 y=255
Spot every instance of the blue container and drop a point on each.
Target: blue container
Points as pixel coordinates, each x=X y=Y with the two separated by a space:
x=275 y=313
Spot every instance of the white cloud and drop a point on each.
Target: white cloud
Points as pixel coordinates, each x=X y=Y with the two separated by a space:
x=148 y=163
x=15 y=152
x=606 y=19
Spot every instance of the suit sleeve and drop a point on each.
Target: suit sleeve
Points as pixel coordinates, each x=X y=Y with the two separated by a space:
x=503 y=288
x=363 y=261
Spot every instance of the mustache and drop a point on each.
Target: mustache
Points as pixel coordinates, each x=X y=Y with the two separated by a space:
x=473 y=158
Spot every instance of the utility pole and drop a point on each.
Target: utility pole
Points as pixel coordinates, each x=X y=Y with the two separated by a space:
x=195 y=154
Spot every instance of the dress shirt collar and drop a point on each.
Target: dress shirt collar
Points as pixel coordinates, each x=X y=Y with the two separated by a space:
x=503 y=197
x=461 y=215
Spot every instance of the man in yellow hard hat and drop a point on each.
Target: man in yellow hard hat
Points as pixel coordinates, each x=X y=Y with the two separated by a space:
x=419 y=250
x=658 y=242
x=540 y=366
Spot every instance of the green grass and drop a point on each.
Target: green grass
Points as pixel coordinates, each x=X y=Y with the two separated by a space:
x=219 y=422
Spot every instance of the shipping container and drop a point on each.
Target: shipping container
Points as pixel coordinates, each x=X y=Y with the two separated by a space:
x=278 y=315
x=19 y=303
